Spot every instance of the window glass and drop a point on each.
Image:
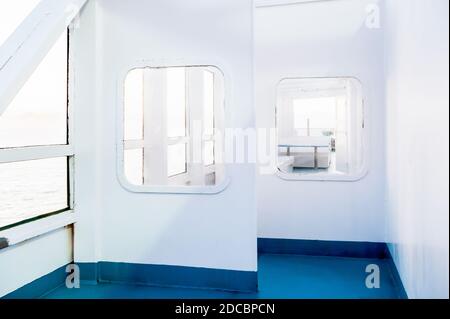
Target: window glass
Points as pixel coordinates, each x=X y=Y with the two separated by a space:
x=38 y=113
x=176 y=102
x=209 y=153
x=165 y=109
x=32 y=188
x=12 y=14
x=134 y=166
x=320 y=127
x=314 y=117
x=134 y=101
x=176 y=156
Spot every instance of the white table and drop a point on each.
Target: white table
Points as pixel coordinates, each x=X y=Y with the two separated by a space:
x=315 y=142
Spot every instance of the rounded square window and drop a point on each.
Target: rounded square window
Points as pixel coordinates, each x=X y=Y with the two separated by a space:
x=171 y=118
x=321 y=129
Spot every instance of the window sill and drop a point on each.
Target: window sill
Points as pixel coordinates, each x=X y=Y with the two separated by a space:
x=37 y=228
x=322 y=177
x=195 y=190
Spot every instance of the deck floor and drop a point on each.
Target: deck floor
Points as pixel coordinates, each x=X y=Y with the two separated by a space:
x=280 y=276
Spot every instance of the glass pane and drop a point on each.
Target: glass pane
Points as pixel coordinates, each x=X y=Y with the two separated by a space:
x=12 y=14
x=209 y=153
x=32 y=188
x=315 y=116
x=175 y=96
x=176 y=102
x=133 y=166
x=176 y=159
x=320 y=127
x=208 y=112
x=38 y=114
x=134 y=105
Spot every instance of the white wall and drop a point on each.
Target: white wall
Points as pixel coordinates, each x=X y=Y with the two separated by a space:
x=22 y=263
x=85 y=54
x=32 y=259
x=417 y=81
x=212 y=231
x=321 y=39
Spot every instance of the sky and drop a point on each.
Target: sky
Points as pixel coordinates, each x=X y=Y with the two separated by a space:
x=12 y=13
x=37 y=114
x=320 y=111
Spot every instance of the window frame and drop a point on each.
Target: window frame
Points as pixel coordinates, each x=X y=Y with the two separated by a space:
x=120 y=145
x=180 y=139
x=50 y=151
x=208 y=138
x=365 y=129
x=19 y=56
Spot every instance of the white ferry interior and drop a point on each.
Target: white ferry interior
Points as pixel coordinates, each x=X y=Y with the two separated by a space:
x=238 y=149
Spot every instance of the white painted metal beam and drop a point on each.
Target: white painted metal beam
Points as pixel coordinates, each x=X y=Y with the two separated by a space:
x=19 y=154
x=195 y=107
x=133 y=144
x=155 y=127
x=28 y=45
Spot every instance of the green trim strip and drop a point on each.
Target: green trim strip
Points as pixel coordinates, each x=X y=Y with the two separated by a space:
x=26 y=221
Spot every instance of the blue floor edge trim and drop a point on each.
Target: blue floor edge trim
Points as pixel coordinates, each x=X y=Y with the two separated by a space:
x=396 y=277
x=88 y=272
x=142 y=274
x=41 y=286
x=170 y=276
x=216 y=279
x=323 y=248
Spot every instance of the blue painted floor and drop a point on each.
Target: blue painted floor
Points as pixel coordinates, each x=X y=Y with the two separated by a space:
x=280 y=276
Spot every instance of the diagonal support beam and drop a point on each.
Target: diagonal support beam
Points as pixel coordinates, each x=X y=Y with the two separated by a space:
x=29 y=44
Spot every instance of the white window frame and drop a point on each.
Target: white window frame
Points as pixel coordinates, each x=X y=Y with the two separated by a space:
x=121 y=146
x=365 y=122
x=210 y=168
x=20 y=55
x=275 y=3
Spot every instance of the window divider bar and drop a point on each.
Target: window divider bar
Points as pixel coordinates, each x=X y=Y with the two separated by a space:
x=208 y=138
x=133 y=144
x=177 y=140
x=20 y=154
x=155 y=94
x=195 y=107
